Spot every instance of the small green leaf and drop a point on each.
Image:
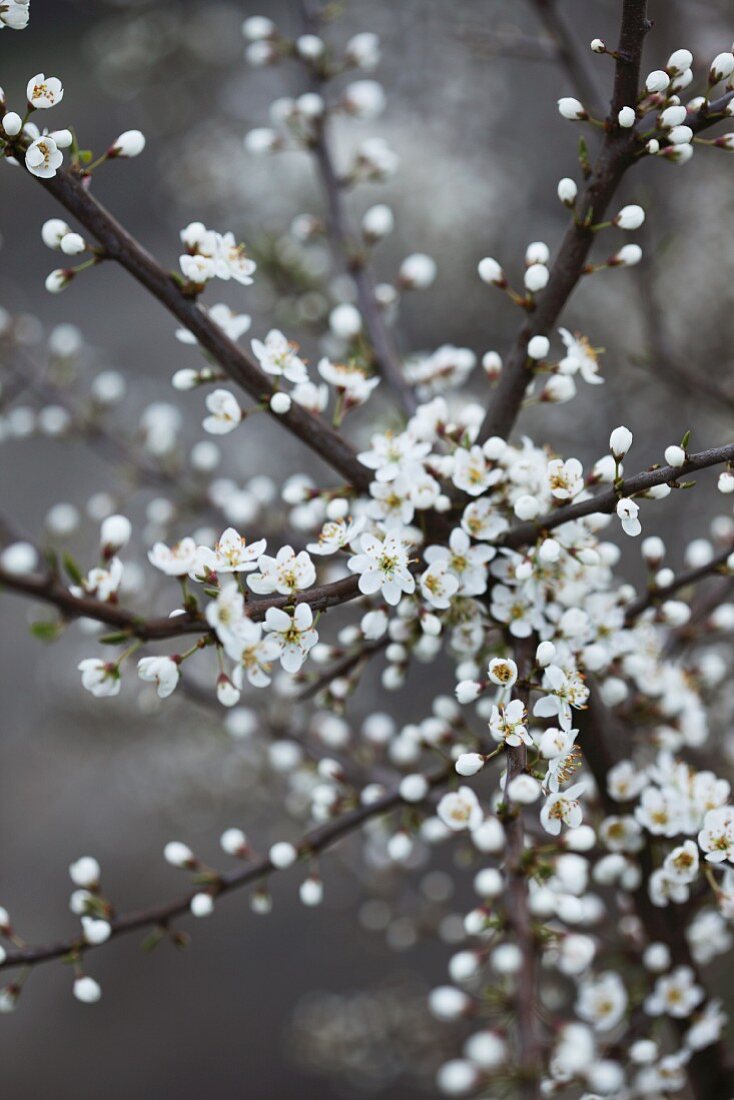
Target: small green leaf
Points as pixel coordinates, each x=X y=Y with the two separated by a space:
x=71 y=568
x=152 y=940
x=685 y=440
x=85 y=156
x=118 y=637
x=46 y=630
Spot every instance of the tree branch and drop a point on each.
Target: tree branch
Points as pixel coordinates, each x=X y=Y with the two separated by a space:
x=314 y=842
x=616 y=155
x=606 y=502
x=50 y=590
x=683 y=580
x=709 y=1071
x=70 y=190
x=353 y=260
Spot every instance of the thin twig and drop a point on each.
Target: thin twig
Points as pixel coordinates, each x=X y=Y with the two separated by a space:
x=318 y=840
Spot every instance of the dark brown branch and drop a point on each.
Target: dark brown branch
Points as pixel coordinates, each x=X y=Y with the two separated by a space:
x=71 y=191
x=615 y=156
x=525 y=533
x=50 y=590
x=318 y=840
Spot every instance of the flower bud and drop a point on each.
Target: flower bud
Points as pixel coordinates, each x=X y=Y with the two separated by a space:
x=630 y=217
x=12 y=124
x=675 y=456
x=491 y=272
x=571 y=109
x=129 y=144
x=567 y=191
x=620 y=441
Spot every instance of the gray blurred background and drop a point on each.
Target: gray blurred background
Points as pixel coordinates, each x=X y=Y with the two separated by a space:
x=472 y=113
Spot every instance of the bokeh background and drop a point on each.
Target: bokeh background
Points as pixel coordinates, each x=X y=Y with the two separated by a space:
x=301 y=1003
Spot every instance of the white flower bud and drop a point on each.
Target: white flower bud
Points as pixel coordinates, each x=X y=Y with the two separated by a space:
x=19 y=558
x=567 y=191
x=378 y=222
x=620 y=441
x=413 y=788
x=630 y=217
x=12 y=124
x=679 y=61
x=283 y=855
x=447 y=1002
x=469 y=763
x=233 y=842
x=258 y=27
x=721 y=67
x=129 y=144
x=675 y=456
x=672 y=116
x=345 y=321
x=536 y=277
x=311 y=892
x=96 y=931
x=657 y=81
x=628 y=255
x=177 y=854
x=115 y=533
x=571 y=109
x=87 y=990
x=491 y=272
x=680 y=135
x=523 y=789
x=597 y=46
x=418 y=271
x=527 y=507
x=72 y=244
x=467 y=691
x=537 y=253
x=627 y=117
x=280 y=403
x=84 y=871
x=545 y=653
x=202 y=905
x=725 y=483
x=538 y=347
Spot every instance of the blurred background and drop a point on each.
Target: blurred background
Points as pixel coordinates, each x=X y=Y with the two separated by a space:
x=299 y=1003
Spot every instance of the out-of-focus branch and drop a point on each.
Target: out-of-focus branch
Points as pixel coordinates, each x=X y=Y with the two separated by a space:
x=683 y=580
x=710 y=1072
x=663 y=358
x=312 y=844
x=570 y=53
x=615 y=156
x=352 y=257
x=348 y=664
x=70 y=189
x=607 y=502
x=518 y=915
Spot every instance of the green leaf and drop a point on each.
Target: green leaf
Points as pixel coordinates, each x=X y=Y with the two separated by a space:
x=152 y=940
x=47 y=630
x=118 y=637
x=685 y=440
x=71 y=568
x=85 y=156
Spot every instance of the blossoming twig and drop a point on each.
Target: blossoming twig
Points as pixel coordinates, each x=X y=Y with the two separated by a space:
x=318 y=840
x=68 y=188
